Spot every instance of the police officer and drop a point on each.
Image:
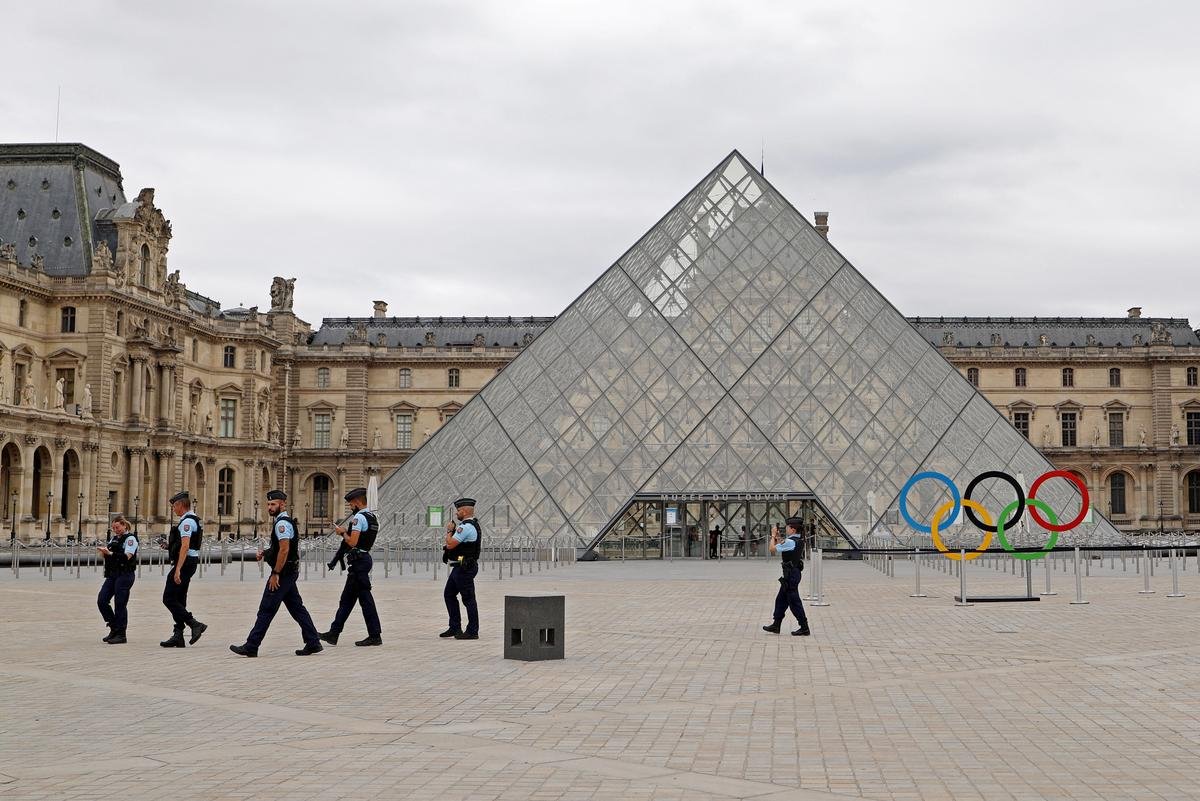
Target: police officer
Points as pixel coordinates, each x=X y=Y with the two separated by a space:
x=183 y=548
x=464 y=540
x=283 y=557
x=792 y=558
x=120 y=571
x=358 y=536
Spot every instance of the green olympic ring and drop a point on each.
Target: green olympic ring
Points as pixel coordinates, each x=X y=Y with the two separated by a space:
x=1045 y=507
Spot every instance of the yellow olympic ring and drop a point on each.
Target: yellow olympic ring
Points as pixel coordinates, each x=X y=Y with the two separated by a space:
x=941 y=546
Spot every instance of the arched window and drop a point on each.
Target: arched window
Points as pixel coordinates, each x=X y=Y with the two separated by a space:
x=1193 y=492
x=1019 y=377
x=229 y=357
x=322 y=378
x=1116 y=493
x=1193 y=377
x=22 y=313
x=1114 y=376
x=320 y=499
x=225 y=491
x=1068 y=377
x=120 y=323
x=454 y=378
x=972 y=376
x=405 y=378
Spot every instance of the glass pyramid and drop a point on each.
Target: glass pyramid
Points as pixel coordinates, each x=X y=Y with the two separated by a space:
x=731 y=349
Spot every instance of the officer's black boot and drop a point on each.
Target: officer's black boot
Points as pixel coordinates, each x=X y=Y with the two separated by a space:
x=116 y=638
x=309 y=649
x=773 y=628
x=802 y=631
x=450 y=633
x=330 y=637
x=243 y=650
x=176 y=639
x=111 y=633
x=374 y=639
x=197 y=628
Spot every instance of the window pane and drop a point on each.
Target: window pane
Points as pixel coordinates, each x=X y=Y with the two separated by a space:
x=1193 y=428
x=322 y=377
x=1068 y=377
x=228 y=417
x=453 y=378
x=1117 y=493
x=405 y=378
x=1019 y=377
x=404 y=430
x=1021 y=423
x=1193 y=489
x=322 y=425
x=973 y=376
x=1116 y=429
x=1068 y=429
x=1193 y=377
x=1114 y=377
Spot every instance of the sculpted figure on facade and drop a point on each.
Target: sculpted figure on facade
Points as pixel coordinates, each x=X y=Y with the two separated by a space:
x=87 y=401
x=281 y=293
x=102 y=257
x=60 y=400
x=344 y=443
x=8 y=251
x=173 y=289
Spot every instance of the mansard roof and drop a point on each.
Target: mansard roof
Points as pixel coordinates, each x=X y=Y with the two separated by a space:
x=1059 y=331
x=411 y=331
x=50 y=197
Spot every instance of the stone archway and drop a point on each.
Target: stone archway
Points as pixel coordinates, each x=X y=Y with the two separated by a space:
x=43 y=483
x=11 y=472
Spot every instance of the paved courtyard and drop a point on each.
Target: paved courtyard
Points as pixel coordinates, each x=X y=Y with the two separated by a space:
x=669 y=690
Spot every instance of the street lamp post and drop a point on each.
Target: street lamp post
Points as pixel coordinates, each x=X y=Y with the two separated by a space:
x=79 y=521
x=1160 y=516
x=255 y=518
x=137 y=499
x=49 y=511
x=239 y=519
x=306 y=520
x=12 y=535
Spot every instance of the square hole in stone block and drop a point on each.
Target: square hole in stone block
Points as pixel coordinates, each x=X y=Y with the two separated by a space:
x=546 y=636
x=516 y=638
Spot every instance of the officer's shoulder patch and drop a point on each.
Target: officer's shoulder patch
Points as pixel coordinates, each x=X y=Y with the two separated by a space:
x=282 y=528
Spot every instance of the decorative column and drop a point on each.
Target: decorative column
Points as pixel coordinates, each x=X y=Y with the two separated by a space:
x=26 y=499
x=248 y=482
x=137 y=388
x=163 y=492
x=91 y=452
x=134 y=480
x=210 y=487
x=166 y=393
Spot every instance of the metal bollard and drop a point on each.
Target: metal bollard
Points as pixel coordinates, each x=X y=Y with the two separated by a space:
x=1078 y=581
x=916 y=593
x=820 y=601
x=241 y=561
x=1145 y=590
x=962 y=579
x=1174 y=593
x=386 y=549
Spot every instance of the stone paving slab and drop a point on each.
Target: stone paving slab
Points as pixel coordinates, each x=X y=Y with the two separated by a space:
x=669 y=690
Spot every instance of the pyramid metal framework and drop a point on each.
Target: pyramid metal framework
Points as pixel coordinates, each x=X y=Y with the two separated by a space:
x=731 y=349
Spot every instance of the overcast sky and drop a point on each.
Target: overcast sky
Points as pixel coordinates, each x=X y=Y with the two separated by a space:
x=495 y=157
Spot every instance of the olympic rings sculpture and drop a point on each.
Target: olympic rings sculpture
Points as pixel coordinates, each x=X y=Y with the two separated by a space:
x=964 y=503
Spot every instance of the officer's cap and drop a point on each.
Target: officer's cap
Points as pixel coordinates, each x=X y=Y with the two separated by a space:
x=276 y=495
x=182 y=495
x=795 y=522
x=461 y=502
x=357 y=492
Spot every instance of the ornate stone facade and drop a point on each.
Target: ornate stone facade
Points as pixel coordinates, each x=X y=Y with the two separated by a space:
x=163 y=389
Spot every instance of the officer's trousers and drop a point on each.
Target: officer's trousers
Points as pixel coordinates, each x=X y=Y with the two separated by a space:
x=788 y=597
x=115 y=587
x=358 y=589
x=175 y=595
x=462 y=582
x=287 y=594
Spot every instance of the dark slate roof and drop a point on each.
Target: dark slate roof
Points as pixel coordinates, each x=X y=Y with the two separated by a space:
x=1059 y=331
x=410 y=331
x=36 y=181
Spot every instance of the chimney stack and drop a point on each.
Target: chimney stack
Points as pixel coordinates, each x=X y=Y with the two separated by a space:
x=381 y=308
x=822 y=223
x=1135 y=312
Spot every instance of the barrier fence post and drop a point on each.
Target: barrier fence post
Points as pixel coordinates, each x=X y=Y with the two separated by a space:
x=962 y=579
x=1174 y=593
x=1049 y=568
x=1078 y=580
x=1145 y=590
x=817 y=578
x=916 y=593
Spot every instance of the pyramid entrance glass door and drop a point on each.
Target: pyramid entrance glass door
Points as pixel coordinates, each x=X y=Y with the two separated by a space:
x=713 y=526
x=732 y=349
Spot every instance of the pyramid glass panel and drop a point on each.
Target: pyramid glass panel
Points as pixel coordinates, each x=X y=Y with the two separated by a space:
x=731 y=349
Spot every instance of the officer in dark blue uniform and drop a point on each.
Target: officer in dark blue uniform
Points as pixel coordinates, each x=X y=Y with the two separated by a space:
x=183 y=547
x=284 y=559
x=120 y=571
x=358 y=537
x=791 y=556
x=464 y=541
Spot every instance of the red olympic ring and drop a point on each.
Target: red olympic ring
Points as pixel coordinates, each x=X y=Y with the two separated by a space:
x=1083 y=510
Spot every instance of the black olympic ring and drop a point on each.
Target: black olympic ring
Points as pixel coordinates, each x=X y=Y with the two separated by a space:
x=1012 y=482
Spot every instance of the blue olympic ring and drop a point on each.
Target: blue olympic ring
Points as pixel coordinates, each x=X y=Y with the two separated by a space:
x=945 y=479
